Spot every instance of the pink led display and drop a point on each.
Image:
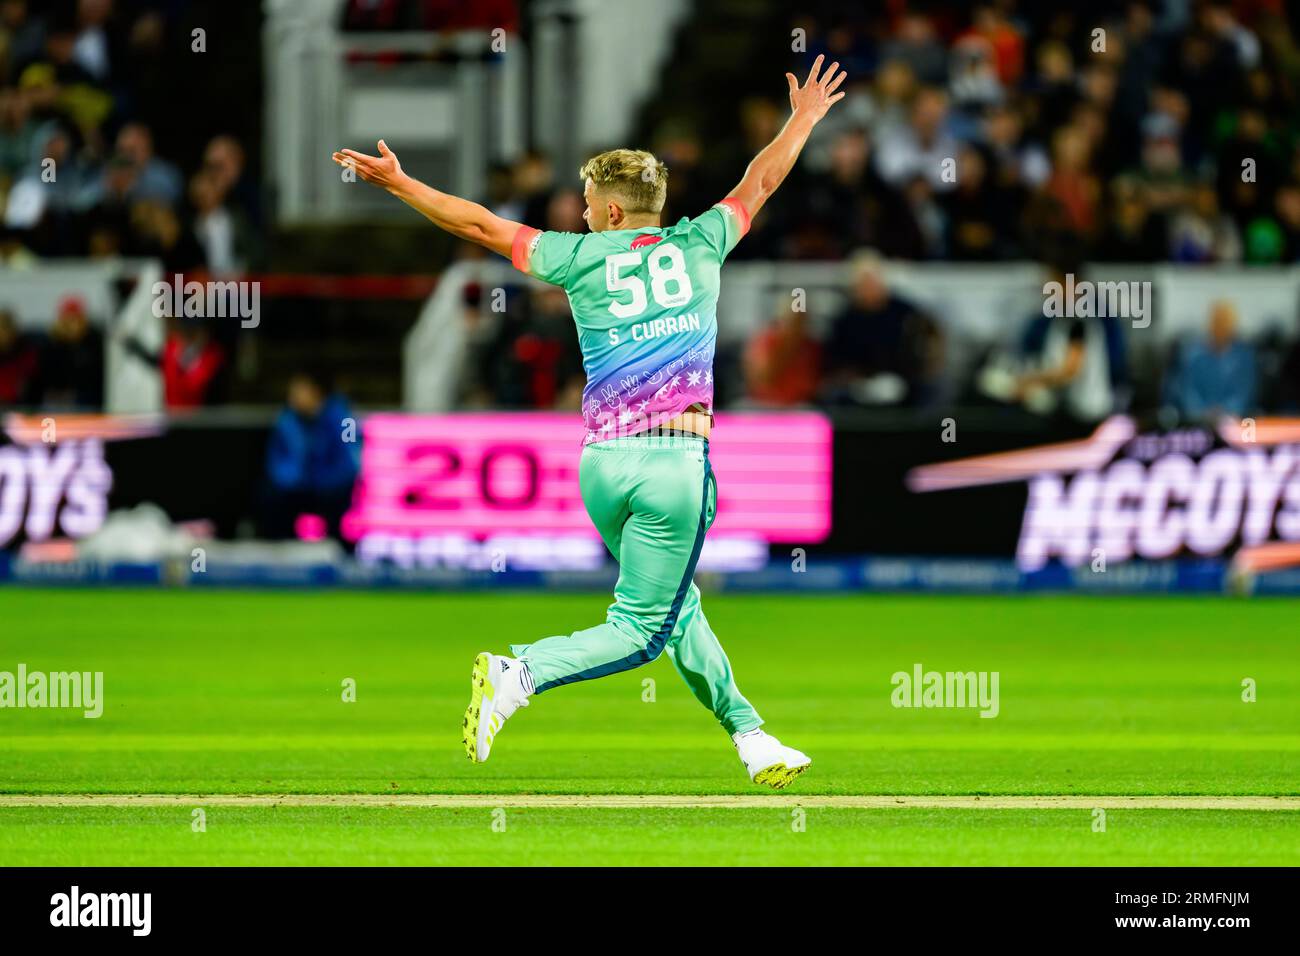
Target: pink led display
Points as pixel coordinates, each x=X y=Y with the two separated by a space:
x=482 y=474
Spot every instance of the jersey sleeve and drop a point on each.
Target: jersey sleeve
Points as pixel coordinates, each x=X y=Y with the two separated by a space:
x=544 y=255
x=724 y=225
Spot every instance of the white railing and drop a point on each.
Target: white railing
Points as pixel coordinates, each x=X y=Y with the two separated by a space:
x=132 y=385
x=447 y=117
x=433 y=354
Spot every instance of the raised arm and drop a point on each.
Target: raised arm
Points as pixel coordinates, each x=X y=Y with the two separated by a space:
x=808 y=104
x=460 y=217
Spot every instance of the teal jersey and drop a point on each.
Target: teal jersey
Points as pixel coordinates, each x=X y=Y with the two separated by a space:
x=646 y=305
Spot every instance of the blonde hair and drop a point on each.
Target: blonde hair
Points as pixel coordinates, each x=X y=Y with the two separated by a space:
x=631 y=175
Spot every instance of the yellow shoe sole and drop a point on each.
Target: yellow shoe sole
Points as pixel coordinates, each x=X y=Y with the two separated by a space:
x=779 y=776
x=478 y=679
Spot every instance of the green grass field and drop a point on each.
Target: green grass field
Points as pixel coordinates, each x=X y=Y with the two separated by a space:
x=226 y=693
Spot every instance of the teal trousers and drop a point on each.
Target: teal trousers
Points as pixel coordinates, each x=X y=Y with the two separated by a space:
x=652 y=499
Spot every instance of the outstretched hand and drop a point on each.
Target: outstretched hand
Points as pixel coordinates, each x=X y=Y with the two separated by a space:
x=383 y=170
x=817 y=95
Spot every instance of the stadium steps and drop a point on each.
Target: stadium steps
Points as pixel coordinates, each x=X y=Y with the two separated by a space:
x=716 y=49
x=358 y=343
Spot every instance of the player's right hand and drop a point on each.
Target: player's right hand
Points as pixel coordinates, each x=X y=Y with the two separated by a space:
x=383 y=170
x=817 y=95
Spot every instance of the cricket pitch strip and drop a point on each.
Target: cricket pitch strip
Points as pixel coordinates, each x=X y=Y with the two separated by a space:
x=661 y=801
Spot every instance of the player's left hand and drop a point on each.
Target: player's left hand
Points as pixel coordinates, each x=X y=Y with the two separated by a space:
x=817 y=95
x=383 y=170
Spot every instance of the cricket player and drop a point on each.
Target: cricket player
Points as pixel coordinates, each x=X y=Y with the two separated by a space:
x=644 y=297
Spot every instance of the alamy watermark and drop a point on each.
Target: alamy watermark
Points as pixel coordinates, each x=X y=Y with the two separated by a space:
x=922 y=688
x=75 y=908
x=77 y=690
x=209 y=300
x=1085 y=300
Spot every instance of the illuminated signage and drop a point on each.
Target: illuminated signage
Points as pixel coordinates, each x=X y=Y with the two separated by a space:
x=49 y=488
x=1122 y=495
x=456 y=489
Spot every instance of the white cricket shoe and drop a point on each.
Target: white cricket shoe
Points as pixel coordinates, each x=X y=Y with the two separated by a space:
x=498 y=687
x=768 y=761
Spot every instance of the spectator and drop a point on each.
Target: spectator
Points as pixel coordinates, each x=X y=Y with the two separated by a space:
x=91 y=49
x=22 y=36
x=975 y=82
x=1217 y=375
x=312 y=460
x=680 y=150
x=1248 y=163
x=1019 y=163
x=889 y=97
x=21 y=134
x=1264 y=241
x=1202 y=233
x=18 y=363
x=1206 y=68
x=1072 y=366
x=872 y=103
x=72 y=362
x=150 y=177
x=56 y=183
x=847 y=199
x=565 y=212
x=1054 y=89
x=1072 y=190
x=842 y=41
x=1162 y=174
x=782 y=362
x=923 y=219
x=1134 y=233
x=80 y=95
x=991 y=25
x=112 y=193
x=916 y=44
x=979 y=210
x=882 y=349
x=224 y=234
x=190 y=361
x=1287 y=204
x=156 y=231
x=919 y=147
x=531 y=359
x=534 y=180
x=1139 y=51
x=224 y=160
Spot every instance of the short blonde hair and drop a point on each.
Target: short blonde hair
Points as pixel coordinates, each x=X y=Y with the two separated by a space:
x=631 y=175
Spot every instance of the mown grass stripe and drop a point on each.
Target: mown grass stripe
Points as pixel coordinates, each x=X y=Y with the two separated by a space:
x=658 y=801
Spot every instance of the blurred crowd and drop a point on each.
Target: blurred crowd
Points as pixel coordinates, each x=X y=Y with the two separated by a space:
x=883 y=350
x=1118 y=132
x=84 y=86
x=1114 y=132
x=61 y=366
x=58 y=369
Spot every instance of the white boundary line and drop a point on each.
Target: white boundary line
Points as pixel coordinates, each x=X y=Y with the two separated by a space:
x=665 y=801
